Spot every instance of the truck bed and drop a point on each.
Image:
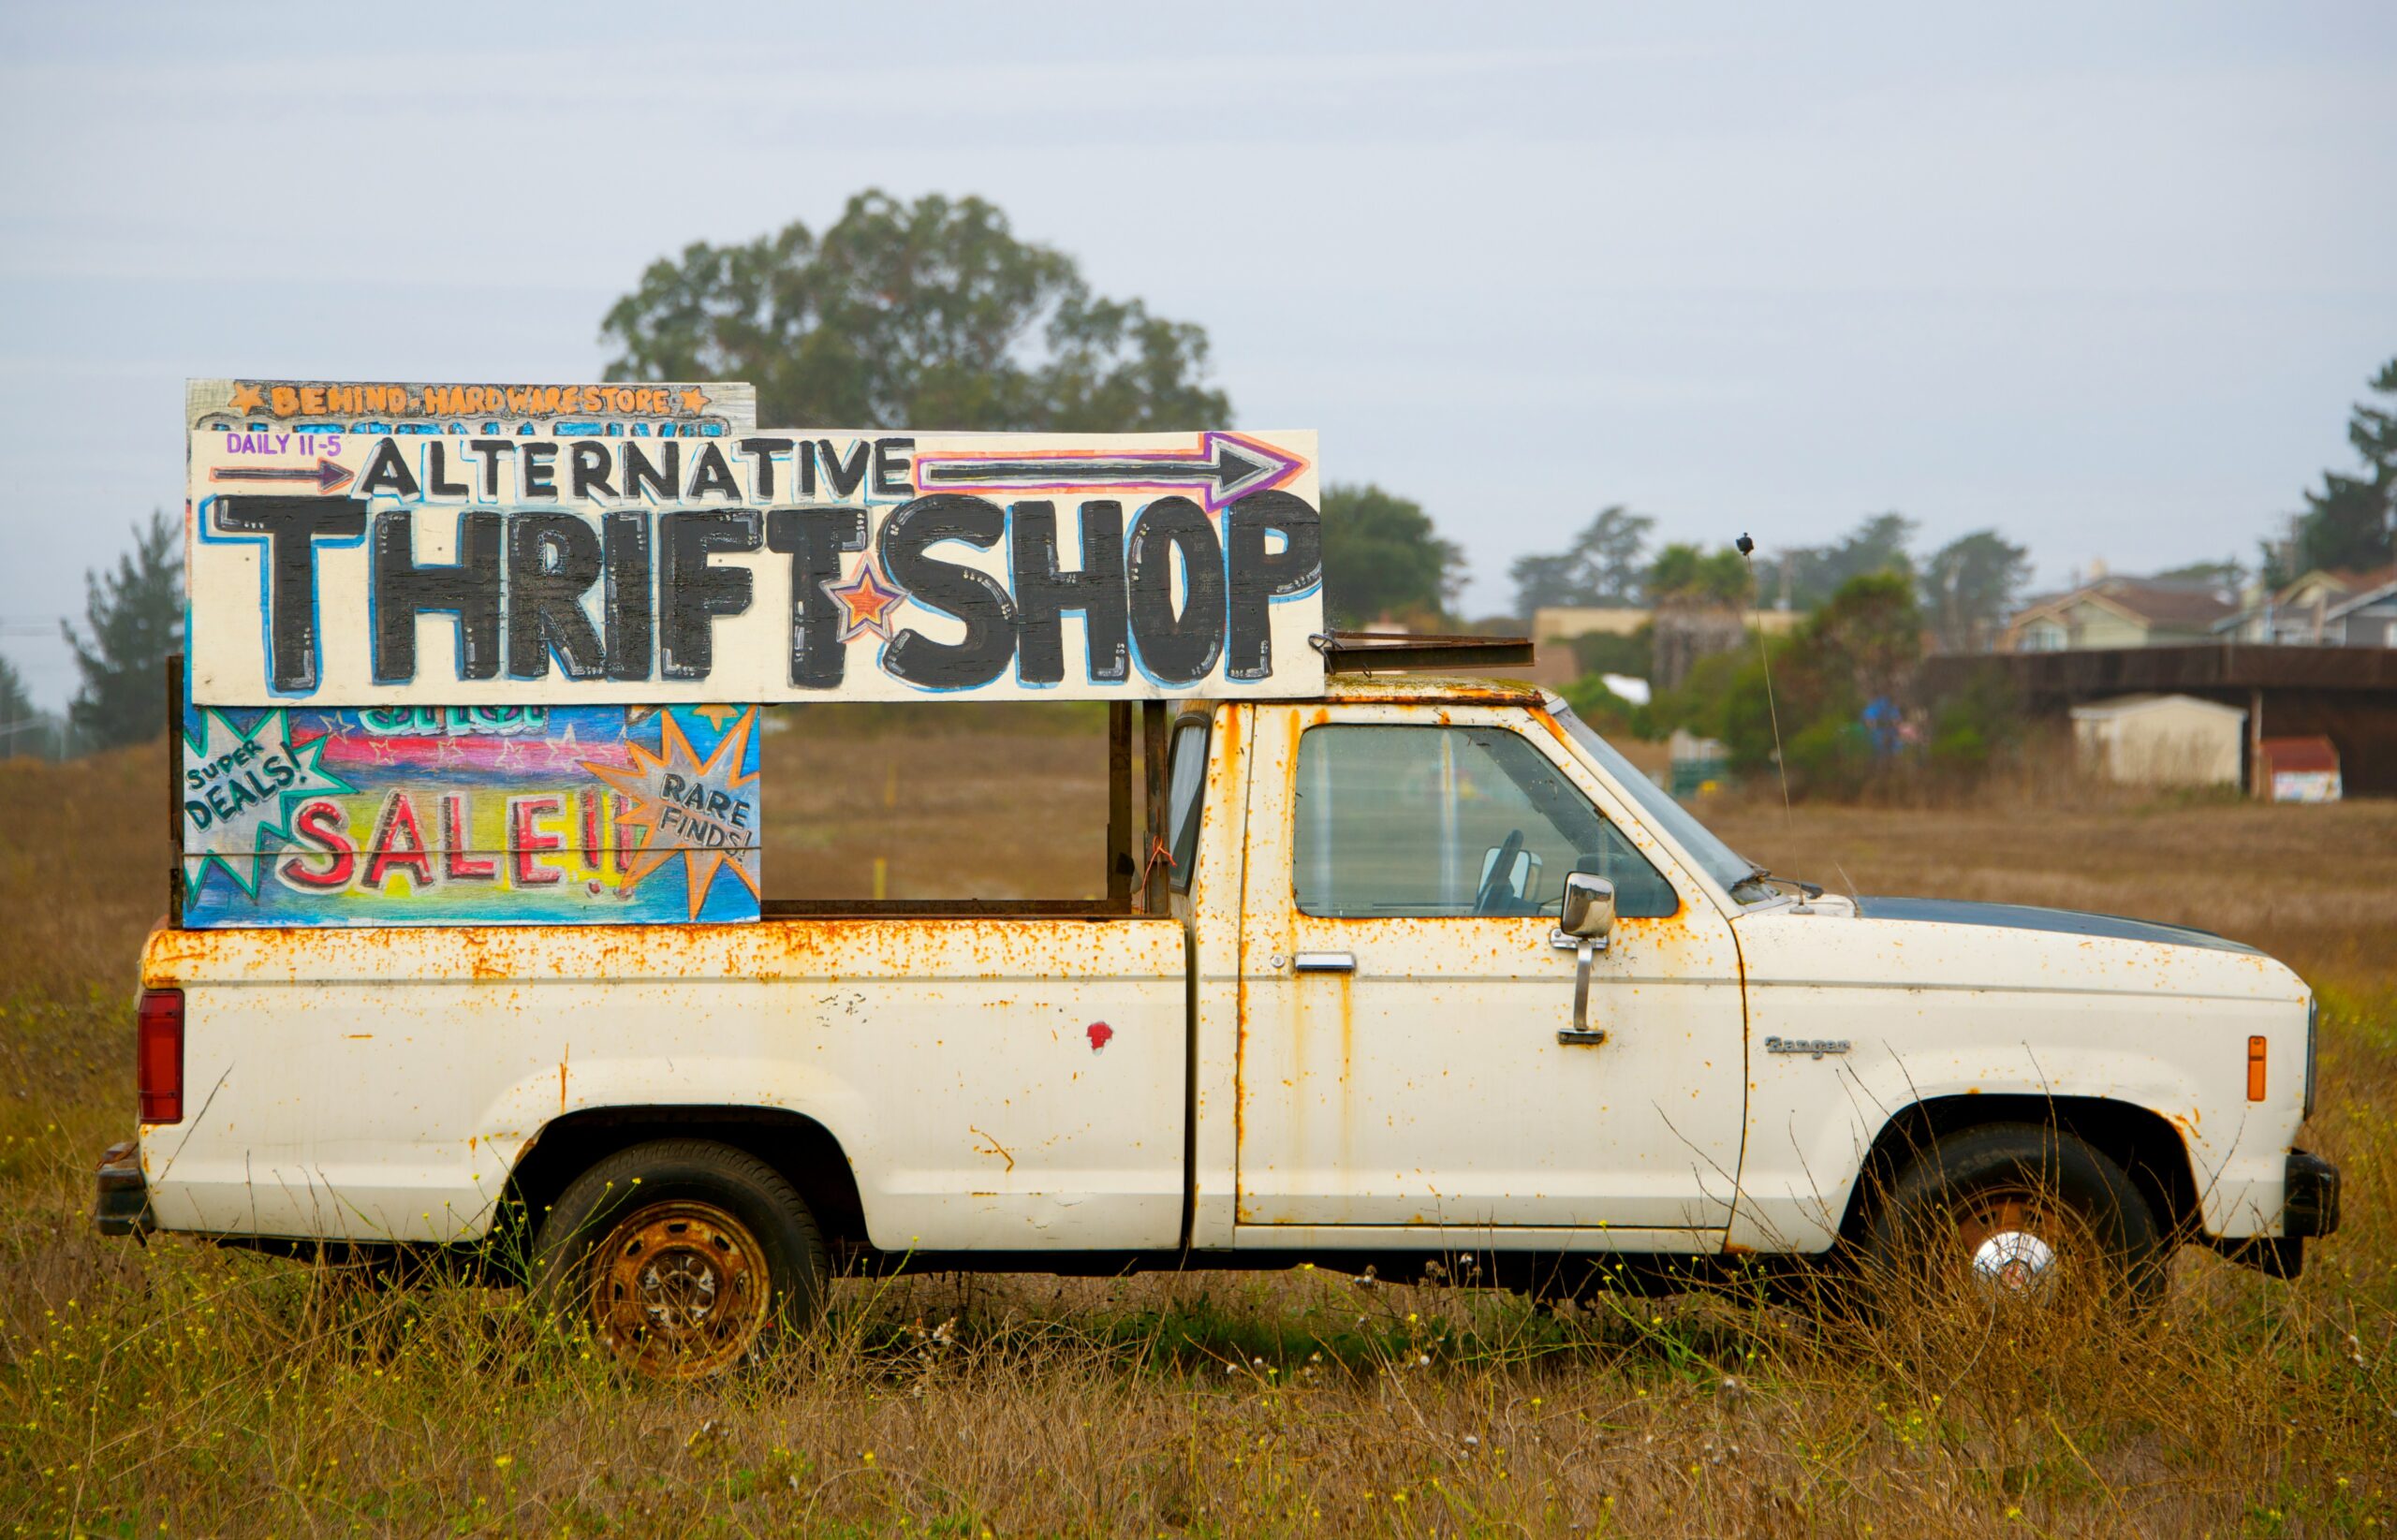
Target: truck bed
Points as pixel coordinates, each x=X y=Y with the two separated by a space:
x=1003 y=1083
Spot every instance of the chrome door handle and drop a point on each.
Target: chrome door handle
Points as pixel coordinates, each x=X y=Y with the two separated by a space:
x=1324 y=962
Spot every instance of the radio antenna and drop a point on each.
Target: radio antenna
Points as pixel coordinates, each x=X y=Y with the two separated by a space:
x=1747 y=549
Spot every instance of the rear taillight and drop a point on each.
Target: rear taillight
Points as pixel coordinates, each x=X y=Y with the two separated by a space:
x=159 y=1056
x=2258 y=1047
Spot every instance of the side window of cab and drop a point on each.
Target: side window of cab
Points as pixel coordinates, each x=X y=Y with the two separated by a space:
x=1432 y=821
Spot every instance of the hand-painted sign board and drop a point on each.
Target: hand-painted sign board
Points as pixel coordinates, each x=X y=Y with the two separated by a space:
x=502 y=552
x=425 y=815
x=689 y=409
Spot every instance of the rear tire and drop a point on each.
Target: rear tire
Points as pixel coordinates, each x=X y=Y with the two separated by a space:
x=2009 y=1215
x=682 y=1258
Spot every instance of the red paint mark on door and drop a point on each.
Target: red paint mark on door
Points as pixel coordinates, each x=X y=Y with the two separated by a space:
x=1099 y=1032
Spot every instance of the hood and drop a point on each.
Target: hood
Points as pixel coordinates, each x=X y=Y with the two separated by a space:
x=2024 y=917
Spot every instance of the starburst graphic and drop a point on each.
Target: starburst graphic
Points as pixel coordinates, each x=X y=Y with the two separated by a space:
x=238 y=788
x=869 y=601
x=703 y=811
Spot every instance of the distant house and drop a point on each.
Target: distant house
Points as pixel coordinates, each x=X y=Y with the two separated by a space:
x=2117 y=612
x=2322 y=608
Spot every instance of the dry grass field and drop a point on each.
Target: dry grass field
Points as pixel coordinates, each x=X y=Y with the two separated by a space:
x=180 y=1390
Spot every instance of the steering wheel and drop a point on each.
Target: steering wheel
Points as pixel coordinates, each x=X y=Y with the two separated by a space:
x=1499 y=886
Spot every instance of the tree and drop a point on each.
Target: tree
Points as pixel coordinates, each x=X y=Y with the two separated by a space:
x=2373 y=430
x=1805 y=576
x=1381 y=556
x=2347 y=525
x=1699 y=598
x=1685 y=574
x=1968 y=585
x=20 y=726
x=135 y=619
x=1600 y=570
x=928 y=315
x=1852 y=658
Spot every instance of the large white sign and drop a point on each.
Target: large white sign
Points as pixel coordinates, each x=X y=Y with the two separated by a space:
x=570 y=562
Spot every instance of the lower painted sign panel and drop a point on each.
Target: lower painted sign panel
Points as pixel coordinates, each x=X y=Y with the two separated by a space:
x=470 y=816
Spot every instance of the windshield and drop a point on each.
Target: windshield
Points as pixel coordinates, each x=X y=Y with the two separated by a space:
x=1715 y=859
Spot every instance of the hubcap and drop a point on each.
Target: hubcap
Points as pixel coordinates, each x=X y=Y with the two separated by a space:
x=2013 y=1261
x=679 y=1290
x=2014 y=1243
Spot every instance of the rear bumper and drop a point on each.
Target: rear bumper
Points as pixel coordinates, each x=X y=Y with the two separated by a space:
x=123 y=1205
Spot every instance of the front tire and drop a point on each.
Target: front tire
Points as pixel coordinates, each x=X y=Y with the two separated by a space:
x=683 y=1258
x=2016 y=1214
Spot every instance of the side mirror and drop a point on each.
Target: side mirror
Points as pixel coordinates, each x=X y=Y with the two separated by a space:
x=1587 y=915
x=1589 y=907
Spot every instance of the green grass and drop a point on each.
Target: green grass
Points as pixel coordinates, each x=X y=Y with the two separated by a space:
x=181 y=1390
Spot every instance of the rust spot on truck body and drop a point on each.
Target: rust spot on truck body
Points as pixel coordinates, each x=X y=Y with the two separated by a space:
x=926 y=948
x=996 y=1147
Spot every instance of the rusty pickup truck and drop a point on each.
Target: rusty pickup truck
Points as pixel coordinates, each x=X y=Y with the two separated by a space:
x=1427 y=968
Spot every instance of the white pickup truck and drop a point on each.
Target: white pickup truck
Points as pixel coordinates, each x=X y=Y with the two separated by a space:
x=1439 y=973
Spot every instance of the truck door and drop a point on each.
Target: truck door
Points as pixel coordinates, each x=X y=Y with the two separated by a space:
x=1401 y=993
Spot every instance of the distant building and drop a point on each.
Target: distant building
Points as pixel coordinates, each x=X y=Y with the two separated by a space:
x=2117 y=612
x=2322 y=608
x=2161 y=740
x=2303 y=769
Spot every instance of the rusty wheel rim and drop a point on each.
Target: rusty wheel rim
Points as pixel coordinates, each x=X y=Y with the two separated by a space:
x=679 y=1290
x=2016 y=1245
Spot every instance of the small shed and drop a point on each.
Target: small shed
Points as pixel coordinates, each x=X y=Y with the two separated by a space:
x=2302 y=770
x=2161 y=740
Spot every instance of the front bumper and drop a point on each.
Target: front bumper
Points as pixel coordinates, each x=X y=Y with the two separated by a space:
x=123 y=1207
x=2310 y=1196
x=2309 y=1210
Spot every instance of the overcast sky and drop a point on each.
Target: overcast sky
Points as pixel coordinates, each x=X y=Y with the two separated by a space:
x=2107 y=277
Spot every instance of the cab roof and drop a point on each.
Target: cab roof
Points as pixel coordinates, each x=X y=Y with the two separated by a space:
x=1481 y=688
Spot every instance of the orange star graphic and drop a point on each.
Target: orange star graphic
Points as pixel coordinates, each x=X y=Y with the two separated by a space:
x=716 y=714
x=869 y=601
x=695 y=401
x=247 y=399
x=645 y=806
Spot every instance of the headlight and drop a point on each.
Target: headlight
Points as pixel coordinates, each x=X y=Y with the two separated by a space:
x=2313 y=1014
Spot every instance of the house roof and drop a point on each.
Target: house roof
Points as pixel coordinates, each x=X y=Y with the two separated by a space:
x=2301 y=753
x=2356 y=588
x=2357 y=599
x=2346 y=579
x=2140 y=599
x=2343 y=582
x=2100 y=710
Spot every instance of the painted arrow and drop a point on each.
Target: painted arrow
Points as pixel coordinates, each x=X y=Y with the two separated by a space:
x=1223 y=467
x=325 y=473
